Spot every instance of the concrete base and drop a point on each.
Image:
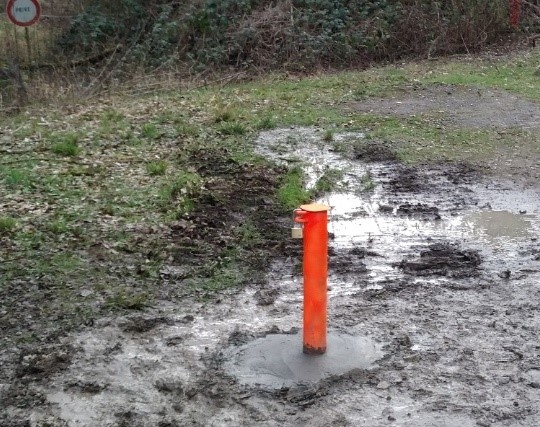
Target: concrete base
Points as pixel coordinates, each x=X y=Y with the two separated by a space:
x=277 y=361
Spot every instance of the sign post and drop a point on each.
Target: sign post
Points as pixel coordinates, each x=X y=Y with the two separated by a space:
x=23 y=13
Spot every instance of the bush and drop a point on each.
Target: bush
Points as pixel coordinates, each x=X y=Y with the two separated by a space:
x=438 y=28
x=299 y=34
x=102 y=24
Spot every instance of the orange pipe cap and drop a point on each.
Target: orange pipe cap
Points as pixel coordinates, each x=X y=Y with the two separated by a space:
x=315 y=207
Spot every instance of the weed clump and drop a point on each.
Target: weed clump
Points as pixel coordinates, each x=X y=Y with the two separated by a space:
x=292 y=192
x=66 y=145
x=7 y=224
x=156 y=168
x=232 y=128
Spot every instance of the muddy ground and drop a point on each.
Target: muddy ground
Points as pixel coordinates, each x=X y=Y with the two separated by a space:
x=472 y=108
x=437 y=264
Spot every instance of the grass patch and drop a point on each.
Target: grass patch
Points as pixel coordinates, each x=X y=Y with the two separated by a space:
x=58 y=226
x=7 y=224
x=88 y=171
x=292 y=192
x=16 y=177
x=223 y=279
x=186 y=130
x=66 y=144
x=328 y=181
x=266 y=123
x=110 y=116
x=249 y=235
x=232 y=128
x=367 y=183
x=60 y=265
x=107 y=209
x=112 y=123
x=150 y=131
x=180 y=190
x=516 y=75
x=156 y=168
x=125 y=300
x=224 y=272
x=225 y=114
x=328 y=135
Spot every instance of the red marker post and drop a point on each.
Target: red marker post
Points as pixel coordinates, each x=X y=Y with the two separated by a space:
x=515 y=12
x=314 y=218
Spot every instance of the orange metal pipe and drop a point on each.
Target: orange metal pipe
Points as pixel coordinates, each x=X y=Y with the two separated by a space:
x=314 y=217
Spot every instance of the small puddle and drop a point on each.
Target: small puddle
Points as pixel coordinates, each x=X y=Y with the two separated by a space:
x=499 y=228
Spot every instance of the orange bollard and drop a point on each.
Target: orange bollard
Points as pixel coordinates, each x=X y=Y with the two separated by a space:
x=314 y=217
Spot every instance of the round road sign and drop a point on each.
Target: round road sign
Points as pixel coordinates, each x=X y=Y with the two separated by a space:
x=23 y=12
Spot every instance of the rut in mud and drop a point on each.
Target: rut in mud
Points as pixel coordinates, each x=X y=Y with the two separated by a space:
x=435 y=268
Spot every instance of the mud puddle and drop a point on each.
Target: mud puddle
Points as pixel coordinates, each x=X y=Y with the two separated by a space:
x=437 y=269
x=408 y=208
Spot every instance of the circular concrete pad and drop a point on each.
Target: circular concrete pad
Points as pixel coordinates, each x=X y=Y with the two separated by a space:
x=277 y=360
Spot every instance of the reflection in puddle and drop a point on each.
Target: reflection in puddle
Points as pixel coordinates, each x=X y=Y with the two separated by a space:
x=496 y=229
x=496 y=225
x=447 y=212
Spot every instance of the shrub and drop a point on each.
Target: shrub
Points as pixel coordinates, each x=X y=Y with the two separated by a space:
x=297 y=34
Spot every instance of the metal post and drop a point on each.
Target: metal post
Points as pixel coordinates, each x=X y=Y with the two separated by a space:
x=314 y=217
x=515 y=12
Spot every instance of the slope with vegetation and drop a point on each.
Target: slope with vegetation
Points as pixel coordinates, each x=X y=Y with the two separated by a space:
x=96 y=44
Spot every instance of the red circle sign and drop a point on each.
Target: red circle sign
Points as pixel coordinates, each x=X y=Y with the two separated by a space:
x=23 y=12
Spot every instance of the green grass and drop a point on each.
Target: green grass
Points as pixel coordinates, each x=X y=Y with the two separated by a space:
x=111 y=116
x=224 y=114
x=224 y=272
x=249 y=235
x=16 y=177
x=128 y=300
x=111 y=123
x=86 y=171
x=232 y=128
x=156 y=168
x=150 y=131
x=328 y=135
x=328 y=181
x=186 y=130
x=7 y=224
x=515 y=75
x=58 y=226
x=63 y=265
x=366 y=182
x=180 y=190
x=107 y=209
x=292 y=192
x=265 y=123
x=65 y=144
x=170 y=117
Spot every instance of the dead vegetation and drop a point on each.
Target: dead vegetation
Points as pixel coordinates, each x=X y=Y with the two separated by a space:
x=91 y=47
